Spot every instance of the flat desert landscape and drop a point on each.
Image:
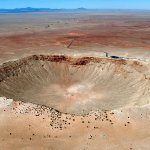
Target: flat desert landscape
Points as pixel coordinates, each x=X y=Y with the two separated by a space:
x=75 y=80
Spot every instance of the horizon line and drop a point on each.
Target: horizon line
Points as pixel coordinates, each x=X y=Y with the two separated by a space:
x=77 y=8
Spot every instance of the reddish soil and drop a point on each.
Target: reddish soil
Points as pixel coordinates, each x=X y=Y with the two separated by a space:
x=127 y=36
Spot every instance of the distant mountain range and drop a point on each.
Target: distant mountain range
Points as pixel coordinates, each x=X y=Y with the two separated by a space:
x=30 y=9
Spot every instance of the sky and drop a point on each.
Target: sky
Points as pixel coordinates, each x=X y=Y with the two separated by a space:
x=99 y=4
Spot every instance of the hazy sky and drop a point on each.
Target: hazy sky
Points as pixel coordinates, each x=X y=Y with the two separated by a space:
x=104 y=4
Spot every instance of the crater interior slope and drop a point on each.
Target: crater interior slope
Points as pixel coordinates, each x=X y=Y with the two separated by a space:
x=76 y=85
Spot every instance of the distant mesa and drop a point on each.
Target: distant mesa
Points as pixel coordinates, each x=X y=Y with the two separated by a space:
x=81 y=8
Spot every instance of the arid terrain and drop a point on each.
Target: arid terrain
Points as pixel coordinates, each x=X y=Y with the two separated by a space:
x=75 y=81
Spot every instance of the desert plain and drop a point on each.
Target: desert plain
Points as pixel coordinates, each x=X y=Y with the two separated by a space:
x=75 y=80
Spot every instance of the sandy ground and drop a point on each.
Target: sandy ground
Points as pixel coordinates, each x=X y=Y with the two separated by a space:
x=27 y=126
